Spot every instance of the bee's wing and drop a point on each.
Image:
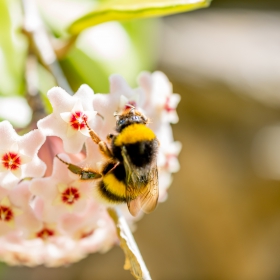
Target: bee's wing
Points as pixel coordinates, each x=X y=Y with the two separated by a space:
x=134 y=206
x=132 y=176
x=149 y=199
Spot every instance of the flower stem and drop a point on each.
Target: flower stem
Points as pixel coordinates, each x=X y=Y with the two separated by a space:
x=134 y=261
x=34 y=29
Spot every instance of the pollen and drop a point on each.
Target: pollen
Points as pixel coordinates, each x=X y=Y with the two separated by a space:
x=77 y=120
x=11 y=161
x=70 y=195
x=6 y=214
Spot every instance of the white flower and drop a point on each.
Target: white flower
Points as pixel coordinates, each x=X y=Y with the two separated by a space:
x=18 y=155
x=119 y=97
x=161 y=101
x=62 y=192
x=56 y=220
x=67 y=119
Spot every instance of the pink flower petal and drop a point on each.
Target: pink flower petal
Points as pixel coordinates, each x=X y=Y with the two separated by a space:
x=30 y=143
x=66 y=116
x=118 y=85
x=17 y=173
x=77 y=107
x=8 y=135
x=24 y=159
x=57 y=124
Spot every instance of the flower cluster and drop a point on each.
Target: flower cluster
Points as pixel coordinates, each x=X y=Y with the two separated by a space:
x=47 y=215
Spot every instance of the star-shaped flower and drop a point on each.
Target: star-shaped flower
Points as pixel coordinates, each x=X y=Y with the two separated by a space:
x=61 y=192
x=16 y=215
x=161 y=101
x=169 y=150
x=68 y=118
x=120 y=95
x=18 y=155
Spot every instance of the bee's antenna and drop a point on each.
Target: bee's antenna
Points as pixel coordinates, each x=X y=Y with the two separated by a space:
x=67 y=163
x=116 y=114
x=98 y=114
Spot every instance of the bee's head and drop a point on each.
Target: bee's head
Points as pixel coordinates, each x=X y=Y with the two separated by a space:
x=128 y=117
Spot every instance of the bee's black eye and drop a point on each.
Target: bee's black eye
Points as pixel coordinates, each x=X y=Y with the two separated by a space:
x=120 y=122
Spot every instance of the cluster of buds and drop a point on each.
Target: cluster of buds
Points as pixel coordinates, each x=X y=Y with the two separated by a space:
x=47 y=214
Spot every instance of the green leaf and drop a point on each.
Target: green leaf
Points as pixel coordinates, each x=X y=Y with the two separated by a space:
x=13 y=48
x=112 y=47
x=131 y=9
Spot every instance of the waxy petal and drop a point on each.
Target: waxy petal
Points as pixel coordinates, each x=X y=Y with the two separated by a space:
x=66 y=116
x=2 y=167
x=17 y=173
x=5 y=202
x=14 y=148
x=20 y=155
x=24 y=159
x=78 y=107
x=59 y=123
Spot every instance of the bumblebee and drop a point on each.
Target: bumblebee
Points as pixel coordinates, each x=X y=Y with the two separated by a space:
x=129 y=174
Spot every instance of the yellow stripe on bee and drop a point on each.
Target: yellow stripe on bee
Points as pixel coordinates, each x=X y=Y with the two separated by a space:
x=114 y=186
x=134 y=133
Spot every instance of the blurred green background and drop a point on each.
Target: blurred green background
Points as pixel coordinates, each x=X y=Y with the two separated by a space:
x=222 y=217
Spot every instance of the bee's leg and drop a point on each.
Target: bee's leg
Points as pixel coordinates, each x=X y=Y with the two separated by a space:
x=104 y=149
x=85 y=174
x=95 y=138
x=102 y=145
x=110 y=137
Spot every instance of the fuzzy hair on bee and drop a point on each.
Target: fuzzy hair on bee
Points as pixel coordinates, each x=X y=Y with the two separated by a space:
x=129 y=172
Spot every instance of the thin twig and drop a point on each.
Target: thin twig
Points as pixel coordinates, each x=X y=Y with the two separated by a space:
x=32 y=89
x=34 y=28
x=61 y=48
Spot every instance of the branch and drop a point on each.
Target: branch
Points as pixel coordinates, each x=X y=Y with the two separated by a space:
x=34 y=29
x=133 y=261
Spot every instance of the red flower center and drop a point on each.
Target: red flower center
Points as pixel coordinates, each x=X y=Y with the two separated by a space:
x=11 y=161
x=132 y=103
x=168 y=158
x=167 y=106
x=77 y=120
x=6 y=214
x=70 y=195
x=45 y=233
x=86 y=234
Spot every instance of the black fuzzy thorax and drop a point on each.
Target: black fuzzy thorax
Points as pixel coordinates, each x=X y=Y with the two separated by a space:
x=141 y=154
